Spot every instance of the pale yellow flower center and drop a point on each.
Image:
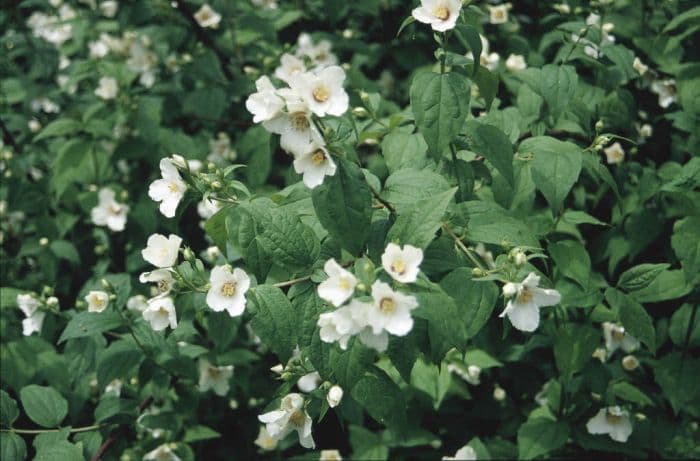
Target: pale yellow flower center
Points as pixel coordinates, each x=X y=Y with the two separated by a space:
x=297 y=418
x=618 y=334
x=299 y=121
x=318 y=157
x=442 y=13
x=97 y=301
x=163 y=286
x=228 y=289
x=344 y=283
x=387 y=305
x=499 y=15
x=115 y=209
x=321 y=94
x=163 y=311
x=214 y=372
x=612 y=418
x=399 y=267
x=525 y=296
x=172 y=187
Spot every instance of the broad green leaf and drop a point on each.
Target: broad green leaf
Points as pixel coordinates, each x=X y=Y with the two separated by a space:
x=308 y=306
x=686 y=244
x=44 y=405
x=406 y=187
x=690 y=16
x=573 y=347
x=343 y=204
x=481 y=359
x=349 y=366
x=403 y=150
x=274 y=320
x=115 y=409
x=674 y=373
x=432 y=379
x=12 y=447
x=381 y=398
x=627 y=391
x=493 y=144
x=90 y=323
x=440 y=104
x=64 y=249
x=540 y=436
x=633 y=316
x=8 y=409
x=555 y=167
x=640 y=276
x=200 y=432
x=555 y=84
x=489 y=223
x=63 y=450
x=685 y=326
x=669 y=284
x=117 y=361
x=418 y=224
x=367 y=445
x=581 y=217
x=72 y=164
x=59 y=127
x=475 y=300
x=572 y=260
x=445 y=333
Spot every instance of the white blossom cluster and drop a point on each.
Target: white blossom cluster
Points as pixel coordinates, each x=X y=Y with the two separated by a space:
x=55 y=29
x=315 y=89
x=389 y=311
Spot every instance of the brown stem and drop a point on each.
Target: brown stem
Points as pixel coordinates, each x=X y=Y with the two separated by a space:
x=115 y=435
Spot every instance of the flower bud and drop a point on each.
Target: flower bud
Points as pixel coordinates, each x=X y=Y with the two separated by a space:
x=105 y=284
x=277 y=369
x=334 y=396
x=596 y=397
x=630 y=362
x=640 y=416
x=477 y=272
x=499 y=394
x=600 y=354
x=360 y=112
x=216 y=185
x=233 y=404
x=52 y=301
x=599 y=125
x=509 y=289
x=188 y=254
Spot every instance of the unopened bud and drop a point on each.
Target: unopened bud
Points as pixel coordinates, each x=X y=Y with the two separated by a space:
x=596 y=397
x=188 y=254
x=599 y=125
x=364 y=96
x=105 y=284
x=370 y=142
x=43 y=241
x=499 y=394
x=478 y=272
x=52 y=301
x=334 y=396
x=600 y=354
x=216 y=185
x=233 y=404
x=640 y=416
x=360 y=112
x=630 y=363
x=277 y=369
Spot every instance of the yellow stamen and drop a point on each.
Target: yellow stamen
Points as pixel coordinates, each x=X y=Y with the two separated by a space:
x=297 y=418
x=321 y=94
x=318 y=157
x=299 y=121
x=525 y=296
x=387 y=305
x=173 y=187
x=399 y=267
x=228 y=289
x=442 y=13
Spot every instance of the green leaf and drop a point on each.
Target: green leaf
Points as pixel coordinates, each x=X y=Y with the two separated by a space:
x=8 y=409
x=626 y=391
x=445 y=333
x=487 y=82
x=381 y=398
x=274 y=320
x=669 y=284
x=406 y=187
x=493 y=144
x=343 y=204
x=440 y=104
x=686 y=244
x=403 y=150
x=470 y=38
x=640 y=276
x=59 y=127
x=475 y=300
x=63 y=450
x=573 y=347
x=367 y=445
x=349 y=366
x=572 y=260
x=44 y=405
x=633 y=316
x=556 y=166
x=674 y=373
x=409 y=20
x=555 y=84
x=540 y=436
x=489 y=223
x=12 y=447
x=581 y=217
x=691 y=15
x=481 y=359
x=73 y=163
x=685 y=326
x=200 y=432
x=90 y=323
x=117 y=361
x=64 y=249
x=432 y=379
x=418 y=224
x=114 y=409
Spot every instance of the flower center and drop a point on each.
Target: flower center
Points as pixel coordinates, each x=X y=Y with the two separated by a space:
x=115 y=209
x=387 y=306
x=618 y=334
x=172 y=187
x=297 y=418
x=163 y=286
x=228 y=289
x=214 y=372
x=344 y=283
x=321 y=94
x=442 y=13
x=97 y=301
x=499 y=15
x=163 y=311
x=299 y=121
x=612 y=418
x=399 y=267
x=318 y=157
x=525 y=296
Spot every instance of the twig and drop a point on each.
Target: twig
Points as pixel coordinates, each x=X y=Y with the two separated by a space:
x=386 y=204
x=44 y=431
x=115 y=435
x=463 y=247
x=291 y=282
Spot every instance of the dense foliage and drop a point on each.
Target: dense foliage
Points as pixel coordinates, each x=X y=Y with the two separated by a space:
x=274 y=229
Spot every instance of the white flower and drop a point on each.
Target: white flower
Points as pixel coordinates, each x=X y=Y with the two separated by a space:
x=290 y=66
x=646 y=130
x=499 y=394
x=27 y=304
x=323 y=90
x=269 y=4
x=391 y=310
x=290 y=417
x=108 y=211
x=220 y=150
x=163 y=279
x=402 y=263
x=562 y=8
x=486 y=59
x=266 y=104
x=314 y=164
x=523 y=310
x=264 y=440
x=169 y=190
x=615 y=153
x=33 y=323
x=440 y=14
x=376 y=341
x=339 y=325
x=309 y=382
x=320 y=54
x=108 y=88
x=97 y=300
x=630 y=362
x=208 y=208
x=470 y=375
x=464 y=453
x=666 y=89
x=228 y=290
x=34 y=125
x=617 y=338
x=160 y=313
x=612 y=421
x=207 y=17
x=161 y=251
x=98 y=49
x=109 y=8
x=515 y=63
x=639 y=66
x=339 y=286
x=498 y=14
x=114 y=387
x=294 y=126
x=216 y=378
x=137 y=303
x=330 y=455
x=334 y=396
x=162 y=453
